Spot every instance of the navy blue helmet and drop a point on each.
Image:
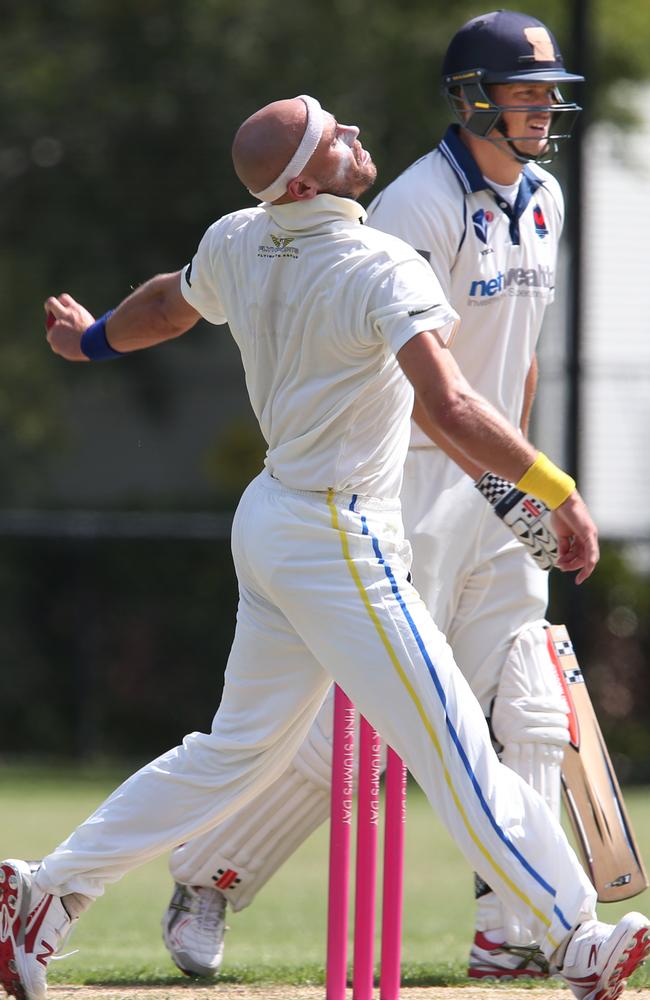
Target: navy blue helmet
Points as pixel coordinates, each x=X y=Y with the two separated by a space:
x=505 y=46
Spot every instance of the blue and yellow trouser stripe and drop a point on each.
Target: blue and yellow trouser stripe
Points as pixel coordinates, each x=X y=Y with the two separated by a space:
x=403 y=676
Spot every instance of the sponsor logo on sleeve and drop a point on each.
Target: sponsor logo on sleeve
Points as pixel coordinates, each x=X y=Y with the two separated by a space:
x=419 y=312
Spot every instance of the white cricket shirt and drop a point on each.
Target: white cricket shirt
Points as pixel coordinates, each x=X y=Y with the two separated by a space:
x=319 y=305
x=496 y=264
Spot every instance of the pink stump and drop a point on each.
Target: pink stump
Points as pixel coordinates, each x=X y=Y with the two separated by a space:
x=391 y=925
x=366 y=862
x=339 y=860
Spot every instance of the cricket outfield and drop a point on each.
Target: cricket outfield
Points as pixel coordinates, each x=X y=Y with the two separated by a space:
x=276 y=947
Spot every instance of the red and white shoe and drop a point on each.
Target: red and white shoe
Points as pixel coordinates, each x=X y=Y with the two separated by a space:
x=501 y=961
x=600 y=957
x=33 y=926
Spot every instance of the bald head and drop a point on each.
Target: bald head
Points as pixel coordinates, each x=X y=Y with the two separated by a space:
x=266 y=142
x=294 y=150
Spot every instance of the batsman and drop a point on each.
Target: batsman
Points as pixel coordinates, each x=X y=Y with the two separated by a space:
x=487 y=215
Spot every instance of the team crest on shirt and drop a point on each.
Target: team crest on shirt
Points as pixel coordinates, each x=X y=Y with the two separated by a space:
x=481 y=219
x=540 y=222
x=281 y=247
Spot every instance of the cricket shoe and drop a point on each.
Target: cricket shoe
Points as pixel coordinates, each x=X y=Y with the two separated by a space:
x=498 y=960
x=33 y=926
x=600 y=957
x=193 y=926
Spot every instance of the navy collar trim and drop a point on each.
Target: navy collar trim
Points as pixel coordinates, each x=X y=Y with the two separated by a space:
x=469 y=174
x=461 y=161
x=471 y=179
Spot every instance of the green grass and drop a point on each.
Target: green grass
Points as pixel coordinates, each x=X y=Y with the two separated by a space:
x=281 y=937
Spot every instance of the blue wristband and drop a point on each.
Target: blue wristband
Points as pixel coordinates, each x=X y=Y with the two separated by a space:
x=94 y=343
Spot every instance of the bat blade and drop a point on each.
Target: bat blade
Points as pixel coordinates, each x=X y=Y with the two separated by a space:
x=592 y=795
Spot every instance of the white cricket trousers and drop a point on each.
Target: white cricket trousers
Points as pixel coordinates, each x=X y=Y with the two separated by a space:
x=479 y=582
x=325 y=593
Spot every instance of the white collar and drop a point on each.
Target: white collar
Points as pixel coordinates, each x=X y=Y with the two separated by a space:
x=318 y=211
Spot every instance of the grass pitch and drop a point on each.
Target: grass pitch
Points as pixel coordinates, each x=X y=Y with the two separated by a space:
x=279 y=939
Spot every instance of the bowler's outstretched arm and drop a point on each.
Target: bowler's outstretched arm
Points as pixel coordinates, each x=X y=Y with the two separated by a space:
x=153 y=313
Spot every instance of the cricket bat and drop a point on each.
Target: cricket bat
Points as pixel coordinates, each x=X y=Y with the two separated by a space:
x=591 y=792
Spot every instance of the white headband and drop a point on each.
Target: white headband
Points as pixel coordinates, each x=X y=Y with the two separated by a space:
x=299 y=160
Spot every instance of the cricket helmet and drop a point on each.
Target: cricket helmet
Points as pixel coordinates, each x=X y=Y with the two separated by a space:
x=505 y=46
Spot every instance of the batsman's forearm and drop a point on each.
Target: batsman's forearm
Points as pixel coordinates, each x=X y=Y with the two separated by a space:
x=153 y=313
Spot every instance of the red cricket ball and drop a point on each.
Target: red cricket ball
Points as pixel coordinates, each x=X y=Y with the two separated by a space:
x=50 y=320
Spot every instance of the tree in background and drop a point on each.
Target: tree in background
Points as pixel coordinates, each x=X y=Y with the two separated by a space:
x=115 y=150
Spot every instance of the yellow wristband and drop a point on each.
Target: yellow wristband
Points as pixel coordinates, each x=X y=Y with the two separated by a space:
x=547 y=482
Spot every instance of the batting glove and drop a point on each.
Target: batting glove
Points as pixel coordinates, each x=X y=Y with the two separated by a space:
x=525 y=515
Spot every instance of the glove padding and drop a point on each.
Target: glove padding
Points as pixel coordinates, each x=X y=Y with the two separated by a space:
x=526 y=516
